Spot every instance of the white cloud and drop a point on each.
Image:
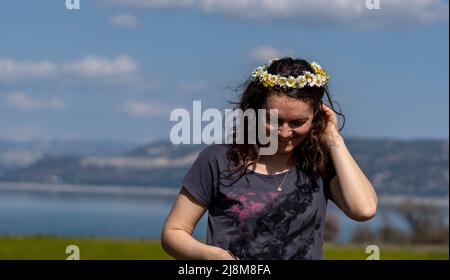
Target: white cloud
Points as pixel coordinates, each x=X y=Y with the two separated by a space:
x=264 y=53
x=193 y=86
x=142 y=109
x=100 y=67
x=155 y=3
x=11 y=70
x=317 y=12
x=88 y=67
x=24 y=102
x=124 y=20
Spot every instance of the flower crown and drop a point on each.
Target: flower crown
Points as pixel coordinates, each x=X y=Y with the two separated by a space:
x=317 y=79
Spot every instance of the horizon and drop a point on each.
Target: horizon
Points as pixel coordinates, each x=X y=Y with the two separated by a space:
x=158 y=140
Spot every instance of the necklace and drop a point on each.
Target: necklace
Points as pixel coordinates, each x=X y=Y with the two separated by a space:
x=280 y=186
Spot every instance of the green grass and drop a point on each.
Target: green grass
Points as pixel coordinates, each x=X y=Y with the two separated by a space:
x=52 y=248
x=387 y=252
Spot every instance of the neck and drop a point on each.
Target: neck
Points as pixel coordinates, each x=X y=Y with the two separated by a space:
x=279 y=161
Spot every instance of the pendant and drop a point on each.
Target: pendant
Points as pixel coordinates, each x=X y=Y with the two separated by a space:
x=279 y=189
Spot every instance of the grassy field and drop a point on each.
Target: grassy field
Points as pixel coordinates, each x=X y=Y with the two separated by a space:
x=45 y=248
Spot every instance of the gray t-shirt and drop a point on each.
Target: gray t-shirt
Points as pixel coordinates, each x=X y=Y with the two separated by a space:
x=250 y=217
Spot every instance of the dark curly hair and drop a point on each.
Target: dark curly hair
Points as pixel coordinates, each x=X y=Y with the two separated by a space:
x=312 y=156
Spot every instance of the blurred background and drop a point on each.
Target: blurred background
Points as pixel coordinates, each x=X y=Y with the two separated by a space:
x=86 y=94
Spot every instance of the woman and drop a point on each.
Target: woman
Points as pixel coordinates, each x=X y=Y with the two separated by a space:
x=272 y=206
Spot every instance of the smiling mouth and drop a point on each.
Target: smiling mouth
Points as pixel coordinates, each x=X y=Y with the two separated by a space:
x=285 y=139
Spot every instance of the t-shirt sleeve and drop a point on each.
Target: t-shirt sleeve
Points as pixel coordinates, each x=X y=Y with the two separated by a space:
x=199 y=181
x=330 y=174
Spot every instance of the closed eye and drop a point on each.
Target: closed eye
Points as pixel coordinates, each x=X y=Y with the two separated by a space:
x=298 y=123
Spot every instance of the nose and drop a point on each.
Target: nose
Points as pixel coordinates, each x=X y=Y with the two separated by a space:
x=284 y=131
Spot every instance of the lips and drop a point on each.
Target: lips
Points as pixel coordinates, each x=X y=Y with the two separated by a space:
x=285 y=139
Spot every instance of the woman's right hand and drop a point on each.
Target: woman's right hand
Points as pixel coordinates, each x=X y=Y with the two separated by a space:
x=222 y=254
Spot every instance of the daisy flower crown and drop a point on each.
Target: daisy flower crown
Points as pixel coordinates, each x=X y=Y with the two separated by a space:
x=317 y=79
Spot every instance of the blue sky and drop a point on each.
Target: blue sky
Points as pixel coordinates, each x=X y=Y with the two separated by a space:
x=115 y=69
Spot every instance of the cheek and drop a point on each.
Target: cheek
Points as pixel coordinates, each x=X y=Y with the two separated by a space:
x=302 y=132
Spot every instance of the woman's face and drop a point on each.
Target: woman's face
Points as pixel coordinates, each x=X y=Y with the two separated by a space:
x=294 y=121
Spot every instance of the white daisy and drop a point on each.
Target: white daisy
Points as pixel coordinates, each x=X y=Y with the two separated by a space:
x=301 y=82
x=316 y=66
x=256 y=74
x=282 y=82
x=273 y=79
x=264 y=75
x=317 y=82
x=291 y=82
x=308 y=77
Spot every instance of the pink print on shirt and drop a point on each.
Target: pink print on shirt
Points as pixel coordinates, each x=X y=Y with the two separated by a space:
x=245 y=205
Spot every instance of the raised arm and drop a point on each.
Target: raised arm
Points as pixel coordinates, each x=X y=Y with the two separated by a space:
x=176 y=235
x=350 y=190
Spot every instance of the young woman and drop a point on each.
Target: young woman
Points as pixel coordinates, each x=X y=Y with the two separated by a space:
x=272 y=206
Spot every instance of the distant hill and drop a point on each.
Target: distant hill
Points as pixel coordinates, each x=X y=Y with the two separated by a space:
x=417 y=168
x=156 y=164
x=15 y=154
x=164 y=149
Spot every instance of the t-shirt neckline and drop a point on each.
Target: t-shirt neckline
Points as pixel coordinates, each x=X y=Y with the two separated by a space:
x=270 y=175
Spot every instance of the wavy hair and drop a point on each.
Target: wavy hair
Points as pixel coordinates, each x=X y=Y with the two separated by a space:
x=311 y=155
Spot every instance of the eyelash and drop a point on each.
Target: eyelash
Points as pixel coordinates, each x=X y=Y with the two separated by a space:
x=299 y=123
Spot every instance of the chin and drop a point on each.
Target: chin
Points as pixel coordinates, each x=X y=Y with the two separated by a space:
x=288 y=148
x=285 y=149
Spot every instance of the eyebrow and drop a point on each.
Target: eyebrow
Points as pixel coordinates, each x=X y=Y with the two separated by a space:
x=300 y=119
x=297 y=119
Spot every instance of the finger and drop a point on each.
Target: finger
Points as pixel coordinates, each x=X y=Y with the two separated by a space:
x=325 y=107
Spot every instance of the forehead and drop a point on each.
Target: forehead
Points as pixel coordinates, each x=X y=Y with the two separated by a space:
x=289 y=108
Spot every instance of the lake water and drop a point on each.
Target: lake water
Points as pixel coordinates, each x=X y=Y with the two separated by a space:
x=115 y=215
